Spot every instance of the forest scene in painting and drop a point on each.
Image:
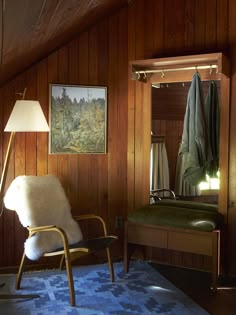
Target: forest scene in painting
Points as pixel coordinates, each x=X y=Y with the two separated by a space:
x=77 y=119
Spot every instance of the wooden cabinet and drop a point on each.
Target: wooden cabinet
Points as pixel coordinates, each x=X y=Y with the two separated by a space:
x=175 y=69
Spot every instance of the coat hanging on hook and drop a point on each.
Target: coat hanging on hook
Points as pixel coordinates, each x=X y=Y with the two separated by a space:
x=212 y=111
x=194 y=138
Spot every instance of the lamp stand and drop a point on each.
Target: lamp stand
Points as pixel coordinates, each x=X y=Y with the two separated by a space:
x=2 y=185
x=6 y=163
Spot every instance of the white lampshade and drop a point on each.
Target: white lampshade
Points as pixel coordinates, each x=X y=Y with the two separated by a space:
x=27 y=116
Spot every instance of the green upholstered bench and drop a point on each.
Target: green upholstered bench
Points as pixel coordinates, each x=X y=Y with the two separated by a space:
x=179 y=214
x=185 y=226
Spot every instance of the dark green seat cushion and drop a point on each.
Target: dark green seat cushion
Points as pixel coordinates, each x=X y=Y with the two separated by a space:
x=189 y=204
x=179 y=215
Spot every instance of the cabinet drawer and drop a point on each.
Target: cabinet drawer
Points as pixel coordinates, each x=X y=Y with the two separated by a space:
x=147 y=236
x=190 y=243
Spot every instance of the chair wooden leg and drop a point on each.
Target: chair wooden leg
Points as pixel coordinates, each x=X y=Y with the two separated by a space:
x=70 y=278
x=128 y=253
x=126 y=262
x=110 y=265
x=20 y=272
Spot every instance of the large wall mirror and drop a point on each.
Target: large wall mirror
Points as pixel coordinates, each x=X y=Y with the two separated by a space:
x=169 y=104
x=170 y=80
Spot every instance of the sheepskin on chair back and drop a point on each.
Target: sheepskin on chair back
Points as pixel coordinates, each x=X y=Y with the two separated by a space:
x=41 y=200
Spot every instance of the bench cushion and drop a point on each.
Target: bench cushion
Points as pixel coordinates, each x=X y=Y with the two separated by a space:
x=189 y=204
x=186 y=215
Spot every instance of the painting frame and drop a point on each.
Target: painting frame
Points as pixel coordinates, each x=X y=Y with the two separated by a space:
x=77 y=119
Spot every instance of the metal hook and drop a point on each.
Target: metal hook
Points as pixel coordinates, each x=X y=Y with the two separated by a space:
x=210 y=71
x=22 y=94
x=162 y=73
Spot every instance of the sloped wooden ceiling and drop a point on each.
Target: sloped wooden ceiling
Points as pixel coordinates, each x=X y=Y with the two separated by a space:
x=30 y=30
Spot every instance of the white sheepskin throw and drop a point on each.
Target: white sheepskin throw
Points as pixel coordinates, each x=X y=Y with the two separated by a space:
x=41 y=200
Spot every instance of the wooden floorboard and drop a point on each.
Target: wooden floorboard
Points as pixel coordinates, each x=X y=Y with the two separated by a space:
x=196 y=285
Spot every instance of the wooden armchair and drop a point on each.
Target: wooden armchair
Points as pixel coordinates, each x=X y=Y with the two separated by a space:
x=39 y=202
x=71 y=252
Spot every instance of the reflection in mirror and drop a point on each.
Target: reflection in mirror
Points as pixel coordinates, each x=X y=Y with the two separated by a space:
x=169 y=103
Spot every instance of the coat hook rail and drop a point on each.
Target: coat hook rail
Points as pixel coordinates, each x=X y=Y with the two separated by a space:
x=162 y=71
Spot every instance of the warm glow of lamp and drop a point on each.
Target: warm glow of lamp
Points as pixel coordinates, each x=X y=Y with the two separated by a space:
x=27 y=116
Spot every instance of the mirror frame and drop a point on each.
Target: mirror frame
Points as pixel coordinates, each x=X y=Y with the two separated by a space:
x=214 y=66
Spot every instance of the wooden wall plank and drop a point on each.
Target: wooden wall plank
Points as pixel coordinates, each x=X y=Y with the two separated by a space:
x=189 y=19
x=93 y=56
x=93 y=66
x=73 y=62
x=122 y=121
x=103 y=52
x=83 y=58
x=211 y=14
x=83 y=159
x=131 y=112
x=113 y=195
x=63 y=74
x=52 y=62
x=174 y=26
x=31 y=138
x=200 y=24
x=73 y=170
x=42 y=137
x=158 y=26
x=103 y=74
x=139 y=28
x=222 y=24
x=149 y=20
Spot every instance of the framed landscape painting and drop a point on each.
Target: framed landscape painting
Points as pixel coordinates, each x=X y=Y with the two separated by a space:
x=78 y=119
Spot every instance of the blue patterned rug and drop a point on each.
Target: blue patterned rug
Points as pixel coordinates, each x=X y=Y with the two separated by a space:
x=141 y=291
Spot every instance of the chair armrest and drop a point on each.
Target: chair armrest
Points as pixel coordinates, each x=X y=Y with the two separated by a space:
x=92 y=216
x=51 y=228
x=40 y=228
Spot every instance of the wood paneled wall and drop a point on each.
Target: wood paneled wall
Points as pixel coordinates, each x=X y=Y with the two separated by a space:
x=117 y=182
x=160 y=28
x=94 y=183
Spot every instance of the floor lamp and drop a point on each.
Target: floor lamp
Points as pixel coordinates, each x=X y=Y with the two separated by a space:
x=26 y=116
